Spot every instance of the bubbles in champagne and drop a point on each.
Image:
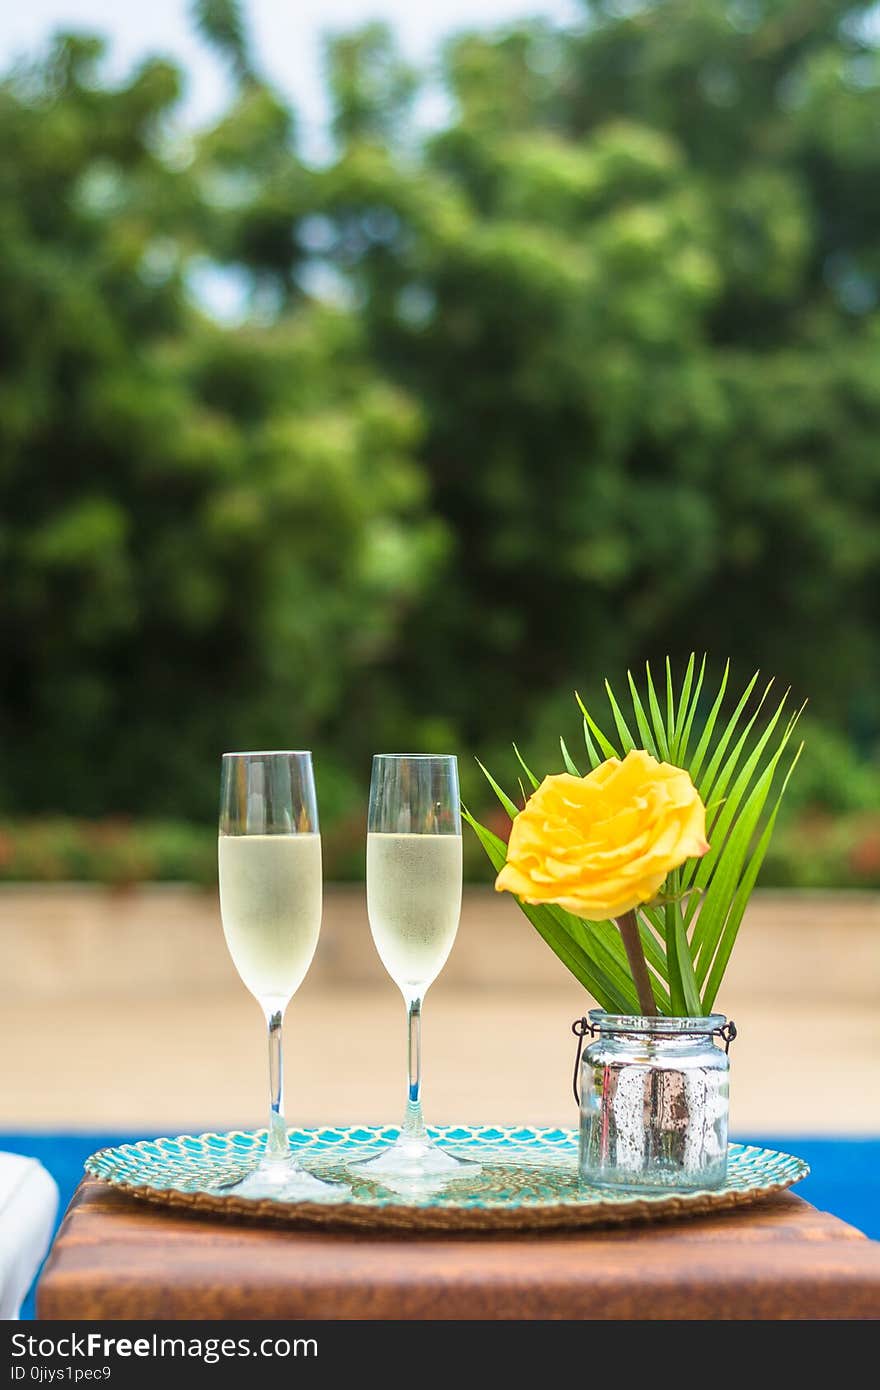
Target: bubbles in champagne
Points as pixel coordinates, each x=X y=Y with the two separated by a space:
x=270 y=902
x=414 y=902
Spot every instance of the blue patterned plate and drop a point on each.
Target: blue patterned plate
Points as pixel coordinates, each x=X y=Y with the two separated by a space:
x=528 y=1179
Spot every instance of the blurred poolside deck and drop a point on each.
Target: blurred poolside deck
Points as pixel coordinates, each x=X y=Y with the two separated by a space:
x=122 y=1011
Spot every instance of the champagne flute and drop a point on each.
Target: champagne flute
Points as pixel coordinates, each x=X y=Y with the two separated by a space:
x=414 y=902
x=269 y=853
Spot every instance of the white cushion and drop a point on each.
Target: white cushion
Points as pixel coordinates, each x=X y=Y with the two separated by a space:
x=28 y=1206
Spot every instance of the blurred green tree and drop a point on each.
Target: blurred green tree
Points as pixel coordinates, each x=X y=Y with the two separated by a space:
x=207 y=533
x=585 y=373
x=633 y=283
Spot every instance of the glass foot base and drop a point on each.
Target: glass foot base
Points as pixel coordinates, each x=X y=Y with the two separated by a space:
x=283 y=1180
x=413 y=1163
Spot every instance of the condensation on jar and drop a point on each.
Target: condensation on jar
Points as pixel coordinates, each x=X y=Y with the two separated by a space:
x=654 y=1102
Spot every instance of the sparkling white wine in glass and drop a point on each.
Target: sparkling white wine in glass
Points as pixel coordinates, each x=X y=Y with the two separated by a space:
x=270 y=902
x=414 y=902
x=269 y=857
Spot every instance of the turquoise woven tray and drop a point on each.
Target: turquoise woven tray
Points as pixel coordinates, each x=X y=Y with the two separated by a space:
x=528 y=1179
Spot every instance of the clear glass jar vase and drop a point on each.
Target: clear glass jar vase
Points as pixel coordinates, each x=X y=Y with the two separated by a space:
x=654 y=1097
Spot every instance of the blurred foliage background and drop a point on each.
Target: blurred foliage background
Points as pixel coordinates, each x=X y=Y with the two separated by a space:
x=587 y=373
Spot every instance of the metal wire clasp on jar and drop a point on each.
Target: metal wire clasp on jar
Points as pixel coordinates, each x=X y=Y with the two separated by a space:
x=654 y=1100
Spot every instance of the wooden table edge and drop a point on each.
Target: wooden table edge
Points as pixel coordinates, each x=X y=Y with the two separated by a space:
x=782 y=1259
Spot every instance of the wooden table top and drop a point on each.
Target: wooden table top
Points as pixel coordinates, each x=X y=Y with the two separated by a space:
x=116 y=1257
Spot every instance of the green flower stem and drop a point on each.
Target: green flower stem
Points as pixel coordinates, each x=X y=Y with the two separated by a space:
x=635 y=955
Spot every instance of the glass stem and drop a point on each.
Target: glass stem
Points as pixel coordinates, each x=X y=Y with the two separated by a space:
x=413 y=1122
x=277 y=1146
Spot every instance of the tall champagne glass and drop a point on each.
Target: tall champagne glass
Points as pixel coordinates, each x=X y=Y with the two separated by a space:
x=269 y=852
x=414 y=903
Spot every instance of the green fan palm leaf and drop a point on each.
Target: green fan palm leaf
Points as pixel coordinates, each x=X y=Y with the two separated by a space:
x=689 y=720
x=697 y=872
x=688 y=932
x=567 y=759
x=728 y=869
x=660 y=730
x=738 y=906
x=647 y=733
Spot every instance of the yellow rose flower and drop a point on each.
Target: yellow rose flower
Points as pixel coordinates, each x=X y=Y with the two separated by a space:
x=602 y=844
